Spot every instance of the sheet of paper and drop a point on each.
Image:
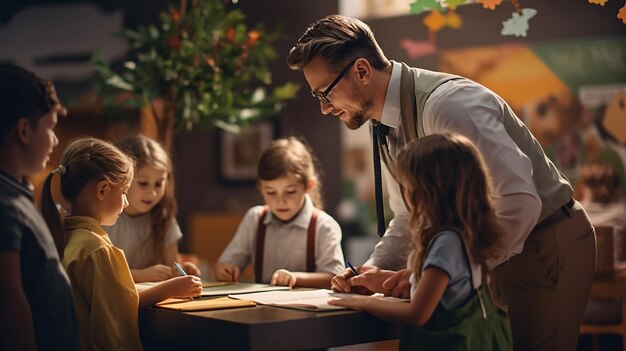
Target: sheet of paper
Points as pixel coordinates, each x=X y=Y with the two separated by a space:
x=316 y=300
x=239 y=288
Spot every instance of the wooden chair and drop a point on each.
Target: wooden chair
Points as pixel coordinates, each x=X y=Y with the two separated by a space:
x=209 y=234
x=607 y=284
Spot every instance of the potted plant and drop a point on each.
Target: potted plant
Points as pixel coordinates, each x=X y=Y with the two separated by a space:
x=199 y=66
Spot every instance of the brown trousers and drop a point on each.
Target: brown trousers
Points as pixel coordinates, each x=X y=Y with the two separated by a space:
x=547 y=285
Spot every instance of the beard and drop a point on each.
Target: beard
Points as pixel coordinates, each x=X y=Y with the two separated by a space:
x=356 y=119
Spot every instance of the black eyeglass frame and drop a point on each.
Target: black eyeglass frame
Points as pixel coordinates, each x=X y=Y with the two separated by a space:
x=323 y=96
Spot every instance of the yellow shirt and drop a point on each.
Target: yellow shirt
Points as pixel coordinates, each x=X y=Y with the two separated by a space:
x=106 y=300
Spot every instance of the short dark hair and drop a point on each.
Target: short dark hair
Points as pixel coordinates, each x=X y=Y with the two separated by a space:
x=24 y=95
x=602 y=180
x=338 y=40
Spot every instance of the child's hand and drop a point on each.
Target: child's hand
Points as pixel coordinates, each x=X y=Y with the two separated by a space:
x=283 y=277
x=190 y=268
x=187 y=286
x=357 y=303
x=226 y=272
x=155 y=273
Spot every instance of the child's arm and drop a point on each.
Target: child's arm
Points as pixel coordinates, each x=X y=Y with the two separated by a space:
x=155 y=273
x=429 y=292
x=187 y=286
x=17 y=332
x=302 y=279
x=227 y=272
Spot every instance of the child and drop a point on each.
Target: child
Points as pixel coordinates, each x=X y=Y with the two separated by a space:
x=147 y=231
x=290 y=240
x=94 y=179
x=29 y=264
x=454 y=233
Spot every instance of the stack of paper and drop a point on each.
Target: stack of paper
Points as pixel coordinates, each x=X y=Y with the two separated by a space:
x=312 y=300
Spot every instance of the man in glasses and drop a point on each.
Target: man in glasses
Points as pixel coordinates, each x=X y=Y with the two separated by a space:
x=546 y=264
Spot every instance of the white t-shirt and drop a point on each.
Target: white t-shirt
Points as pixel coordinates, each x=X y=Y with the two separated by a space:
x=134 y=236
x=285 y=243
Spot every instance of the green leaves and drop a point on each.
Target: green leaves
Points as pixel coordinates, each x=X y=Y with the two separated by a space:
x=206 y=60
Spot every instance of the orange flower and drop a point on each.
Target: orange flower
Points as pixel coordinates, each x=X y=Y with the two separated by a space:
x=175 y=15
x=253 y=37
x=230 y=34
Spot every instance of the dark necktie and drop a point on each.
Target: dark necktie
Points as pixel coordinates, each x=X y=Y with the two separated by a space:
x=380 y=131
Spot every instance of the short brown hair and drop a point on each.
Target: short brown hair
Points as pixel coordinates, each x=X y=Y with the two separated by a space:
x=292 y=155
x=602 y=179
x=24 y=95
x=338 y=40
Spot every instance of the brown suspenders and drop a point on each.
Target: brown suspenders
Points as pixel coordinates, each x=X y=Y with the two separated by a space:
x=260 y=244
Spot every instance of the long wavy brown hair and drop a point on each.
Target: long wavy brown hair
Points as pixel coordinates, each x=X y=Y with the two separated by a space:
x=446 y=186
x=148 y=152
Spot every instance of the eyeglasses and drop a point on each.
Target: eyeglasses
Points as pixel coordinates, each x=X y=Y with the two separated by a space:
x=323 y=96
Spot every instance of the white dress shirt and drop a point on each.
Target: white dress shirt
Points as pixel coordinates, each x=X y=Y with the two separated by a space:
x=285 y=243
x=464 y=107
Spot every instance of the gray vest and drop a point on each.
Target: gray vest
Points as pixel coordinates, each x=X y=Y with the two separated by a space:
x=415 y=87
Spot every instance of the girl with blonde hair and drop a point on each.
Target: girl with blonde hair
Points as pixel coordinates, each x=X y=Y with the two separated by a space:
x=94 y=178
x=147 y=231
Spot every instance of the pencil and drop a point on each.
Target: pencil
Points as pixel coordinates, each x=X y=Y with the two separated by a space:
x=180 y=269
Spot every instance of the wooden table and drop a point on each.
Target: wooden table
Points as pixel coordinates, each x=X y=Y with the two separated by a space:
x=260 y=328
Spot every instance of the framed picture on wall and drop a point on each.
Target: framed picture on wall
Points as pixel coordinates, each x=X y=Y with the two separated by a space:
x=239 y=153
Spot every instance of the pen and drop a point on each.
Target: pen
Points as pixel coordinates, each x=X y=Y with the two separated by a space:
x=180 y=269
x=352 y=268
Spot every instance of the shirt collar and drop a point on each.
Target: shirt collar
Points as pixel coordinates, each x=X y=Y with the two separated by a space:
x=302 y=219
x=83 y=222
x=25 y=187
x=391 y=109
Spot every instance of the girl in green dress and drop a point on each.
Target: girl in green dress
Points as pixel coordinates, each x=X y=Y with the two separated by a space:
x=454 y=229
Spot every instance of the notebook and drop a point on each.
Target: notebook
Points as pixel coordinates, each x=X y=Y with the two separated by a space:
x=311 y=300
x=203 y=304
